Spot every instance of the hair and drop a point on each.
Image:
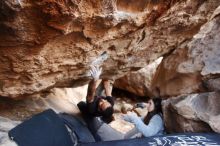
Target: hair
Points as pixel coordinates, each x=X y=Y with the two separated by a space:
x=157 y=110
x=110 y=99
x=107 y=114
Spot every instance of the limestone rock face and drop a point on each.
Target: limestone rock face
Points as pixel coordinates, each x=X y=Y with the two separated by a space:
x=191 y=74
x=52 y=43
x=193 y=113
x=6 y=126
x=139 y=82
x=194 y=67
x=61 y=100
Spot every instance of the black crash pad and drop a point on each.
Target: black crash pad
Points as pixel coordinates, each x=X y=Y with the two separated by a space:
x=44 y=129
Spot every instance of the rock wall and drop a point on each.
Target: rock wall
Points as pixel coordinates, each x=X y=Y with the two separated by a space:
x=190 y=77
x=139 y=82
x=193 y=68
x=7 y=125
x=193 y=113
x=52 y=43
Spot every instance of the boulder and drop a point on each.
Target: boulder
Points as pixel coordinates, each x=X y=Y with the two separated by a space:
x=194 y=66
x=7 y=125
x=61 y=100
x=191 y=73
x=52 y=43
x=126 y=107
x=139 y=82
x=192 y=113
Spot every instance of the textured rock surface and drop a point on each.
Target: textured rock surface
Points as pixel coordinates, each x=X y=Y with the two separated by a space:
x=194 y=67
x=139 y=82
x=193 y=113
x=6 y=125
x=60 y=100
x=51 y=43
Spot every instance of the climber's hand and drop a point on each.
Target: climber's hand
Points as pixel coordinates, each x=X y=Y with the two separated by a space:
x=95 y=72
x=130 y=117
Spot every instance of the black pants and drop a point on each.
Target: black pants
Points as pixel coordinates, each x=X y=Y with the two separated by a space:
x=94 y=123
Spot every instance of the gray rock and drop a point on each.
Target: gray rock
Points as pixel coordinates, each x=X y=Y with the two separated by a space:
x=190 y=66
x=193 y=113
x=5 y=126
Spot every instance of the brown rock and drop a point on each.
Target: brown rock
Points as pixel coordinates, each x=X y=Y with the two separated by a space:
x=188 y=69
x=212 y=84
x=51 y=43
x=62 y=100
x=139 y=82
x=192 y=113
x=169 y=82
x=126 y=107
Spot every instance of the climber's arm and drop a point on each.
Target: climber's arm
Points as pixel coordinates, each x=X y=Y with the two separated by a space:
x=93 y=84
x=108 y=87
x=95 y=73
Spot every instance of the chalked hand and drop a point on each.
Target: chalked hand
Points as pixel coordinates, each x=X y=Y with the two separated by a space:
x=95 y=72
